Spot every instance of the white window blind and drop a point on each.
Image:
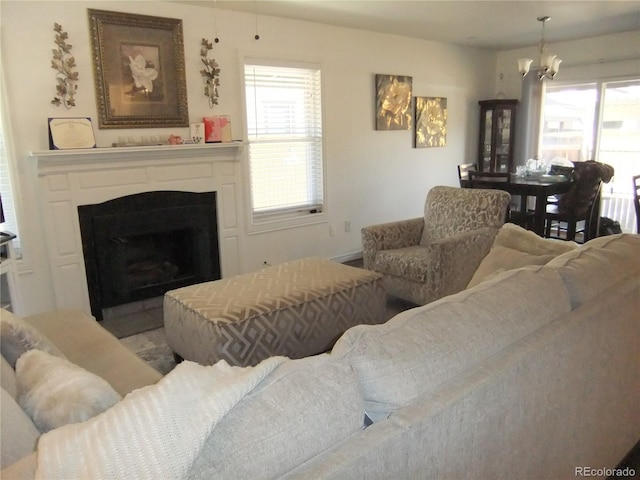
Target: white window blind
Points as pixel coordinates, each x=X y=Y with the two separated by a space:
x=284 y=128
x=6 y=192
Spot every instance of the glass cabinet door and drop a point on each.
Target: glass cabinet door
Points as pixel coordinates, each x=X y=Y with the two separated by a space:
x=486 y=142
x=497 y=128
x=503 y=146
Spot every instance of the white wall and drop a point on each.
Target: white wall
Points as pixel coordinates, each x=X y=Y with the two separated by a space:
x=598 y=58
x=371 y=176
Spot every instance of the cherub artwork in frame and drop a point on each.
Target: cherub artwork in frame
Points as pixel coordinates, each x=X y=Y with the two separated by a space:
x=139 y=70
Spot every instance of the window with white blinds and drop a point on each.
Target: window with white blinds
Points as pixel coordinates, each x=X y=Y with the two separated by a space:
x=284 y=129
x=6 y=193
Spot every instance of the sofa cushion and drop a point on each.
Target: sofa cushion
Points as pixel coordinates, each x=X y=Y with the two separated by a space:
x=515 y=247
x=7 y=377
x=598 y=264
x=87 y=344
x=55 y=392
x=17 y=337
x=18 y=433
x=304 y=407
x=23 y=469
x=419 y=349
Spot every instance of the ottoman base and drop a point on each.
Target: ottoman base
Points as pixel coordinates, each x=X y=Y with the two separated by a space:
x=295 y=309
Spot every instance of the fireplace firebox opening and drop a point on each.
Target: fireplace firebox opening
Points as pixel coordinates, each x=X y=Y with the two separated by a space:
x=143 y=245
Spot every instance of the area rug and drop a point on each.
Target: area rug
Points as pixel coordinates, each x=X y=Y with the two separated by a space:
x=151 y=346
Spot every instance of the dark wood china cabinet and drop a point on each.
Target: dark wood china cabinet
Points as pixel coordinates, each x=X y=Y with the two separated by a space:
x=497 y=132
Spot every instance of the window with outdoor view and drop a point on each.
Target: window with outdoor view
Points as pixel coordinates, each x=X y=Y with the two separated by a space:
x=284 y=130
x=598 y=121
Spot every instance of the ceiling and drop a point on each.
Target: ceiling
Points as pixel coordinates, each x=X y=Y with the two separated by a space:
x=490 y=24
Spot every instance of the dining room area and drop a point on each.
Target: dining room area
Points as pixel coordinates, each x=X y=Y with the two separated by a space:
x=567 y=155
x=557 y=201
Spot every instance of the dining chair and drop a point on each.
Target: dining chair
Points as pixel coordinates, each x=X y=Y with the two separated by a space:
x=463 y=172
x=517 y=212
x=487 y=179
x=577 y=211
x=566 y=223
x=636 y=200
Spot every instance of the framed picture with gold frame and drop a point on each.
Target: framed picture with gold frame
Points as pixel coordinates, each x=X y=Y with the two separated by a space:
x=138 y=68
x=430 y=122
x=393 y=102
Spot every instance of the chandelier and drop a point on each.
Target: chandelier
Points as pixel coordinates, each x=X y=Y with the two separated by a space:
x=548 y=64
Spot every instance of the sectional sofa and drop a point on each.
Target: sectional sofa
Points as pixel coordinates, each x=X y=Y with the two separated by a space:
x=531 y=372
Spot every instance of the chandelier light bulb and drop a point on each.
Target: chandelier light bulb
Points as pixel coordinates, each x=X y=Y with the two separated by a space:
x=523 y=65
x=546 y=61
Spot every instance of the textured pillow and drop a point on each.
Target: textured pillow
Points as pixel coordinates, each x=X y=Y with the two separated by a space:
x=500 y=259
x=598 y=265
x=17 y=337
x=515 y=247
x=55 y=392
x=513 y=236
x=304 y=407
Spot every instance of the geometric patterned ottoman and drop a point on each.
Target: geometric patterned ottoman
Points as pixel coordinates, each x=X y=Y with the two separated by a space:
x=294 y=309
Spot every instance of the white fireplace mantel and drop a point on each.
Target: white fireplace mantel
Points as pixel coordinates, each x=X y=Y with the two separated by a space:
x=70 y=178
x=58 y=161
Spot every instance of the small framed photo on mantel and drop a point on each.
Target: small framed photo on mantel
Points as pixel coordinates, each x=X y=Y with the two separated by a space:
x=197 y=132
x=217 y=129
x=69 y=133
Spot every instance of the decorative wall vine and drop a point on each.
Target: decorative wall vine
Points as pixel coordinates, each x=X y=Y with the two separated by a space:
x=63 y=62
x=210 y=73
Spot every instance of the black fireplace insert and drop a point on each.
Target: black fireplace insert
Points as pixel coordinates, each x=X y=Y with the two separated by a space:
x=143 y=245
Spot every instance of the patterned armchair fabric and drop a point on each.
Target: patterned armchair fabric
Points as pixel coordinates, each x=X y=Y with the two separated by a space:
x=423 y=259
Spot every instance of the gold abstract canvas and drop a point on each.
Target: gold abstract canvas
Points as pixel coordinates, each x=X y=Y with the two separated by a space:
x=393 y=102
x=431 y=122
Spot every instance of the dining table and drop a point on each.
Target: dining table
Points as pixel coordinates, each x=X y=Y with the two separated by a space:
x=539 y=187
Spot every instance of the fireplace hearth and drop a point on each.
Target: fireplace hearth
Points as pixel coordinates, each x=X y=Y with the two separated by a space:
x=142 y=245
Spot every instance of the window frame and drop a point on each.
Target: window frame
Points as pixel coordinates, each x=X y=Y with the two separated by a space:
x=282 y=218
x=11 y=206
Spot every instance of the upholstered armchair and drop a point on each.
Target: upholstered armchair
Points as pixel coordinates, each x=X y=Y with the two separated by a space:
x=423 y=259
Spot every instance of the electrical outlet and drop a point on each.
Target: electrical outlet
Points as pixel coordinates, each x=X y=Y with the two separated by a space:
x=347 y=226
x=332 y=231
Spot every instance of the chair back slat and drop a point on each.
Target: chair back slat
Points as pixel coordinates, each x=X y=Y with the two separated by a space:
x=463 y=172
x=488 y=179
x=636 y=200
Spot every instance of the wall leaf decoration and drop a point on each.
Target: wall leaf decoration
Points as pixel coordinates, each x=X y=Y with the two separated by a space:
x=64 y=63
x=210 y=73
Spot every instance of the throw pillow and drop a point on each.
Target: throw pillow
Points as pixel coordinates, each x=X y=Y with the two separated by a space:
x=500 y=259
x=55 y=392
x=17 y=337
x=513 y=236
x=515 y=247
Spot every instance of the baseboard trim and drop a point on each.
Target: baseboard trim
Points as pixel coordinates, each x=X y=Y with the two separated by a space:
x=349 y=257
